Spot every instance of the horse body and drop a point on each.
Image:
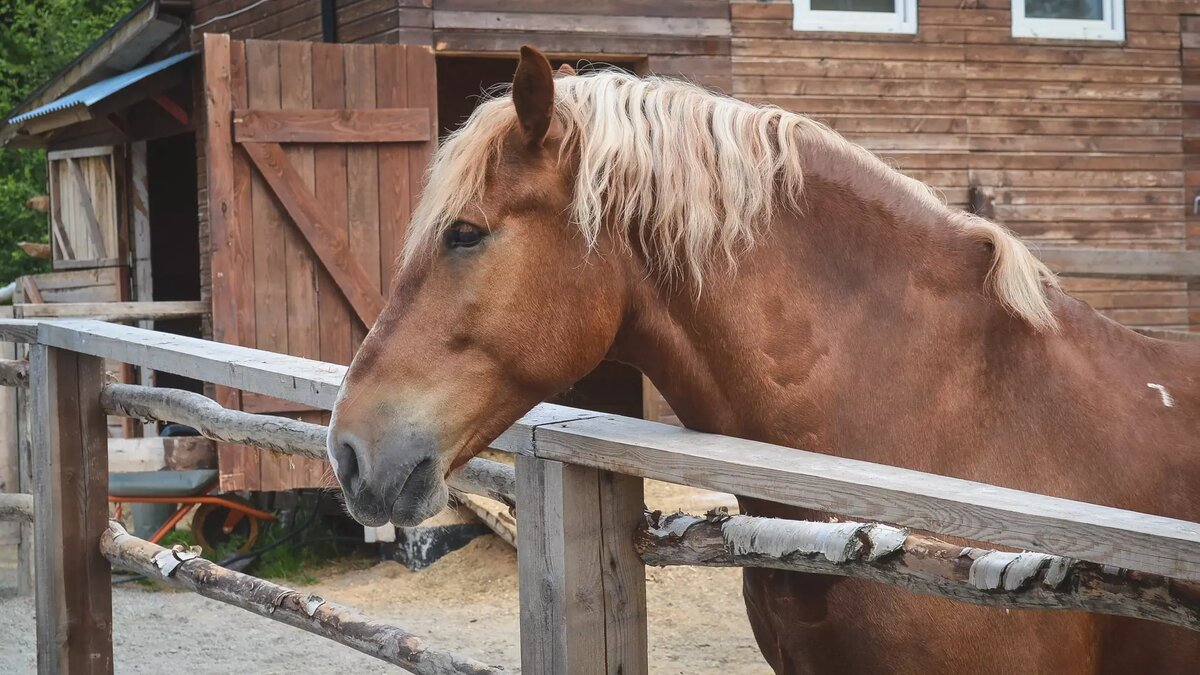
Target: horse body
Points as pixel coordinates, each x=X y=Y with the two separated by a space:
x=864 y=345
x=862 y=319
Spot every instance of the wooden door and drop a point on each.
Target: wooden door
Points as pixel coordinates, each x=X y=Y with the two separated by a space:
x=315 y=153
x=85 y=208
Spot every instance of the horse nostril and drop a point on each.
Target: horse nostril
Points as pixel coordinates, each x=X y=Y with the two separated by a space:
x=345 y=457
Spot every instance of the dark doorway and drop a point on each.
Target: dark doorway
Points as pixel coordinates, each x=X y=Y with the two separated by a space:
x=174 y=236
x=462 y=83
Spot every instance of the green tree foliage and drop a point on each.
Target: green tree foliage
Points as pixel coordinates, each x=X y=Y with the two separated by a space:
x=37 y=38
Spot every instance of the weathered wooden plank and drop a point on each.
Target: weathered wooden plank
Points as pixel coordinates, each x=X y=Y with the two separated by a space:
x=621 y=503
x=1123 y=263
x=74 y=592
x=307 y=612
x=32 y=293
x=362 y=176
x=139 y=211
x=582 y=590
x=1172 y=335
x=84 y=193
x=395 y=204
x=635 y=447
x=296 y=94
x=14 y=374
x=317 y=225
x=577 y=23
x=288 y=377
x=115 y=311
x=383 y=125
x=876 y=492
x=336 y=319
x=269 y=223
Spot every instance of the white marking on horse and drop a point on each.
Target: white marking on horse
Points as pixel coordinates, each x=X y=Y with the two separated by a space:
x=1163 y=393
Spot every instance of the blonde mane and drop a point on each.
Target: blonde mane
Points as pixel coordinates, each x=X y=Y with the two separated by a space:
x=696 y=175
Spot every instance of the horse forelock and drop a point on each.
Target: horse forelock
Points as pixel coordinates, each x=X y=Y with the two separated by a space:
x=693 y=177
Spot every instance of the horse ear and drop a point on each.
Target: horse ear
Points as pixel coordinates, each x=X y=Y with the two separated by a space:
x=533 y=95
x=565 y=69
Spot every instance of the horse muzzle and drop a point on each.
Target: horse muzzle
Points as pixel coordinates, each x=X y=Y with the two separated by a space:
x=399 y=480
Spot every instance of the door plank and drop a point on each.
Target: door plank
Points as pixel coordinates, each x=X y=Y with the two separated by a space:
x=316 y=224
x=362 y=173
x=296 y=96
x=395 y=206
x=335 y=318
x=347 y=125
x=95 y=234
x=231 y=233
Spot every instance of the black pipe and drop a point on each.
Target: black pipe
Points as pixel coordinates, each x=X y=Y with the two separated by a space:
x=329 y=20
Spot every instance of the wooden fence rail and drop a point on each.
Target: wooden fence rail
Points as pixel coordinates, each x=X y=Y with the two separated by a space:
x=578 y=488
x=894 y=556
x=859 y=490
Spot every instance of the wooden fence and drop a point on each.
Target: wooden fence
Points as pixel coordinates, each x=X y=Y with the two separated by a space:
x=584 y=536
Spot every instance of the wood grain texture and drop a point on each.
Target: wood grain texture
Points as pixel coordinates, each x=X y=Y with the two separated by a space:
x=74 y=594
x=582 y=584
x=385 y=125
x=876 y=492
x=634 y=447
x=317 y=225
x=336 y=319
x=1122 y=263
x=362 y=179
x=114 y=311
x=296 y=95
x=1071 y=135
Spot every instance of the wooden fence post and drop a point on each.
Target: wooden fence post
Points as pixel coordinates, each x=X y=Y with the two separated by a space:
x=70 y=455
x=582 y=584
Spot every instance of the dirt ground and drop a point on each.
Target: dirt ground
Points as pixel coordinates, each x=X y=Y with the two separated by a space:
x=467 y=602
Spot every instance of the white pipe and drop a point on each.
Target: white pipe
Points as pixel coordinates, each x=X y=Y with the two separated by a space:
x=7 y=293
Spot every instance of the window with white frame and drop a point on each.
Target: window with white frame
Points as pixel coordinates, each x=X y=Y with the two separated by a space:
x=1069 y=19
x=855 y=16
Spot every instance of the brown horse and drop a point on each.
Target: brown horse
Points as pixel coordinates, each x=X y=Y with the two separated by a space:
x=777 y=283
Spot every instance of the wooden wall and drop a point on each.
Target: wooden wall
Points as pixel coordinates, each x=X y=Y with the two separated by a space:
x=687 y=37
x=1079 y=143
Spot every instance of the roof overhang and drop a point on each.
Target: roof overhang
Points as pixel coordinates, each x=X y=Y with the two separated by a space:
x=131 y=41
x=104 y=97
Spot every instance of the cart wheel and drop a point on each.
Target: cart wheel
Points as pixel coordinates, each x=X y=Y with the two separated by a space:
x=214 y=525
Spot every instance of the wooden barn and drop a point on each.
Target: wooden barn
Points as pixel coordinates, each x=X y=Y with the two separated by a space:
x=261 y=158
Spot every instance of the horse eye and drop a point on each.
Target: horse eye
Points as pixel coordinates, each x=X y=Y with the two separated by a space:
x=463 y=235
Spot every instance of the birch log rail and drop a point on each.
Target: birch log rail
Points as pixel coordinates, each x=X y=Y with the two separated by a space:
x=918 y=563
x=304 y=611
x=279 y=434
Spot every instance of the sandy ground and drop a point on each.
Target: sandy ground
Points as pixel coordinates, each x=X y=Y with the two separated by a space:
x=467 y=602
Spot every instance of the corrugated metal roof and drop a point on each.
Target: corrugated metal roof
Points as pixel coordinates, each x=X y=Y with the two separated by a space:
x=94 y=93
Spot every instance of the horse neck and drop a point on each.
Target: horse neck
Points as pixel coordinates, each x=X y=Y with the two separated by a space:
x=858 y=331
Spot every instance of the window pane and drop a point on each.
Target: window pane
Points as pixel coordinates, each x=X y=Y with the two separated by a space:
x=1065 y=9
x=888 y=6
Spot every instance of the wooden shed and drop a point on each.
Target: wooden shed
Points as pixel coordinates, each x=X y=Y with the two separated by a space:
x=269 y=174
